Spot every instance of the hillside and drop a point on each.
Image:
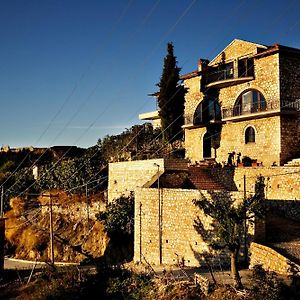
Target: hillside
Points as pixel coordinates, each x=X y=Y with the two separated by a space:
x=75 y=237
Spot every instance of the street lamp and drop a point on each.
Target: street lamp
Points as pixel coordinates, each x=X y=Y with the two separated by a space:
x=159 y=216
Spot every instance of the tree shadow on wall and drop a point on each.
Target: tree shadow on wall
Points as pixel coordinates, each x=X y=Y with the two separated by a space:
x=228 y=229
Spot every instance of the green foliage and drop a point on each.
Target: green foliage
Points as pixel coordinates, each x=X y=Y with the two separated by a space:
x=73 y=174
x=128 y=285
x=19 y=184
x=171 y=98
x=267 y=286
x=118 y=218
x=229 y=221
x=138 y=142
x=229 y=218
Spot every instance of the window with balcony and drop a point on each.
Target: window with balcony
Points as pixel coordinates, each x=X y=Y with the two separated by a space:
x=250 y=101
x=221 y=72
x=249 y=135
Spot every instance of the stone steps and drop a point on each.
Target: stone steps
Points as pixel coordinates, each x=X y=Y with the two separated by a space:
x=202 y=178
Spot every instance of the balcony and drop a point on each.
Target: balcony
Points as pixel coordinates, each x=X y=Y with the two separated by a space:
x=194 y=121
x=230 y=74
x=238 y=112
x=243 y=112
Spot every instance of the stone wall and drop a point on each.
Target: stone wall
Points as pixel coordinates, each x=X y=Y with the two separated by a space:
x=290 y=137
x=180 y=241
x=289 y=77
x=125 y=177
x=282 y=183
x=271 y=260
x=76 y=211
x=194 y=143
x=236 y=49
x=193 y=96
x=266 y=148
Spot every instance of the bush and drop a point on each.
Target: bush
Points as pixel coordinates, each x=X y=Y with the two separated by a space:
x=267 y=286
x=118 y=219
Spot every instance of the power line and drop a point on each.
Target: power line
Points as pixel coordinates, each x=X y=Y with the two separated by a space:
x=175 y=24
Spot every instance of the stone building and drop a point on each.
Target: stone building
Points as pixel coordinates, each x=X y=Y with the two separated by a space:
x=246 y=100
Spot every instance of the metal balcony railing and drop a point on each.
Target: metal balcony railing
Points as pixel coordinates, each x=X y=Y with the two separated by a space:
x=240 y=110
x=197 y=120
x=219 y=75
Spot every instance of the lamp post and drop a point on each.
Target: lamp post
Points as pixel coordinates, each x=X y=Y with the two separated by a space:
x=159 y=216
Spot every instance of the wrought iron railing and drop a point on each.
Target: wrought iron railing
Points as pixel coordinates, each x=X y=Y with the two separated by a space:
x=239 y=110
x=193 y=119
x=294 y=105
x=219 y=75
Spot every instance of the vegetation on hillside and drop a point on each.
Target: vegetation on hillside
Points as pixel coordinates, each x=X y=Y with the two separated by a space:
x=124 y=283
x=71 y=169
x=118 y=222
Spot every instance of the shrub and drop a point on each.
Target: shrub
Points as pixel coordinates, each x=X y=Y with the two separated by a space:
x=118 y=219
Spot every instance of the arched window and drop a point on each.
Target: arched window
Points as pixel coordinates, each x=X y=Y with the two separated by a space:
x=250 y=101
x=250 y=135
x=207 y=110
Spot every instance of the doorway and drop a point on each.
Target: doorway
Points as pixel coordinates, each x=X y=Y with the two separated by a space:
x=207 y=145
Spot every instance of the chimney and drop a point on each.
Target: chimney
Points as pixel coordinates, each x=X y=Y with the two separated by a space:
x=202 y=64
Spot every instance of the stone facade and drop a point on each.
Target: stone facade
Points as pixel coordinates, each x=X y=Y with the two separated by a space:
x=180 y=241
x=271 y=260
x=275 y=75
x=125 y=177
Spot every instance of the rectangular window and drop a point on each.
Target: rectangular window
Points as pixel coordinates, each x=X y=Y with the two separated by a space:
x=246 y=67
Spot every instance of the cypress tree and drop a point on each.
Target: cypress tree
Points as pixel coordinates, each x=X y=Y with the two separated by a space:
x=171 y=98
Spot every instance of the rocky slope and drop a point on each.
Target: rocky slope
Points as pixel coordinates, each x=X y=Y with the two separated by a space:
x=77 y=233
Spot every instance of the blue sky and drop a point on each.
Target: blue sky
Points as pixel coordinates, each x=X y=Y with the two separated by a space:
x=72 y=71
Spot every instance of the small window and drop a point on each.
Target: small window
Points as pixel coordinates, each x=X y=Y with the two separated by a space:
x=250 y=135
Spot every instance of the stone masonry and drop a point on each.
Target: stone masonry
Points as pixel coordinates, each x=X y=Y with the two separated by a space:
x=180 y=241
x=271 y=260
x=125 y=177
x=276 y=76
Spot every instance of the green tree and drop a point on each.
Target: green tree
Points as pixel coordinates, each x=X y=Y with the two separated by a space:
x=171 y=98
x=118 y=219
x=229 y=222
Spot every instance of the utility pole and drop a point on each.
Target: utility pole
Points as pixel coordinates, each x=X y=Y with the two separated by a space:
x=87 y=206
x=50 y=204
x=159 y=216
x=140 y=232
x=2 y=200
x=51 y=229
x=245 y=224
